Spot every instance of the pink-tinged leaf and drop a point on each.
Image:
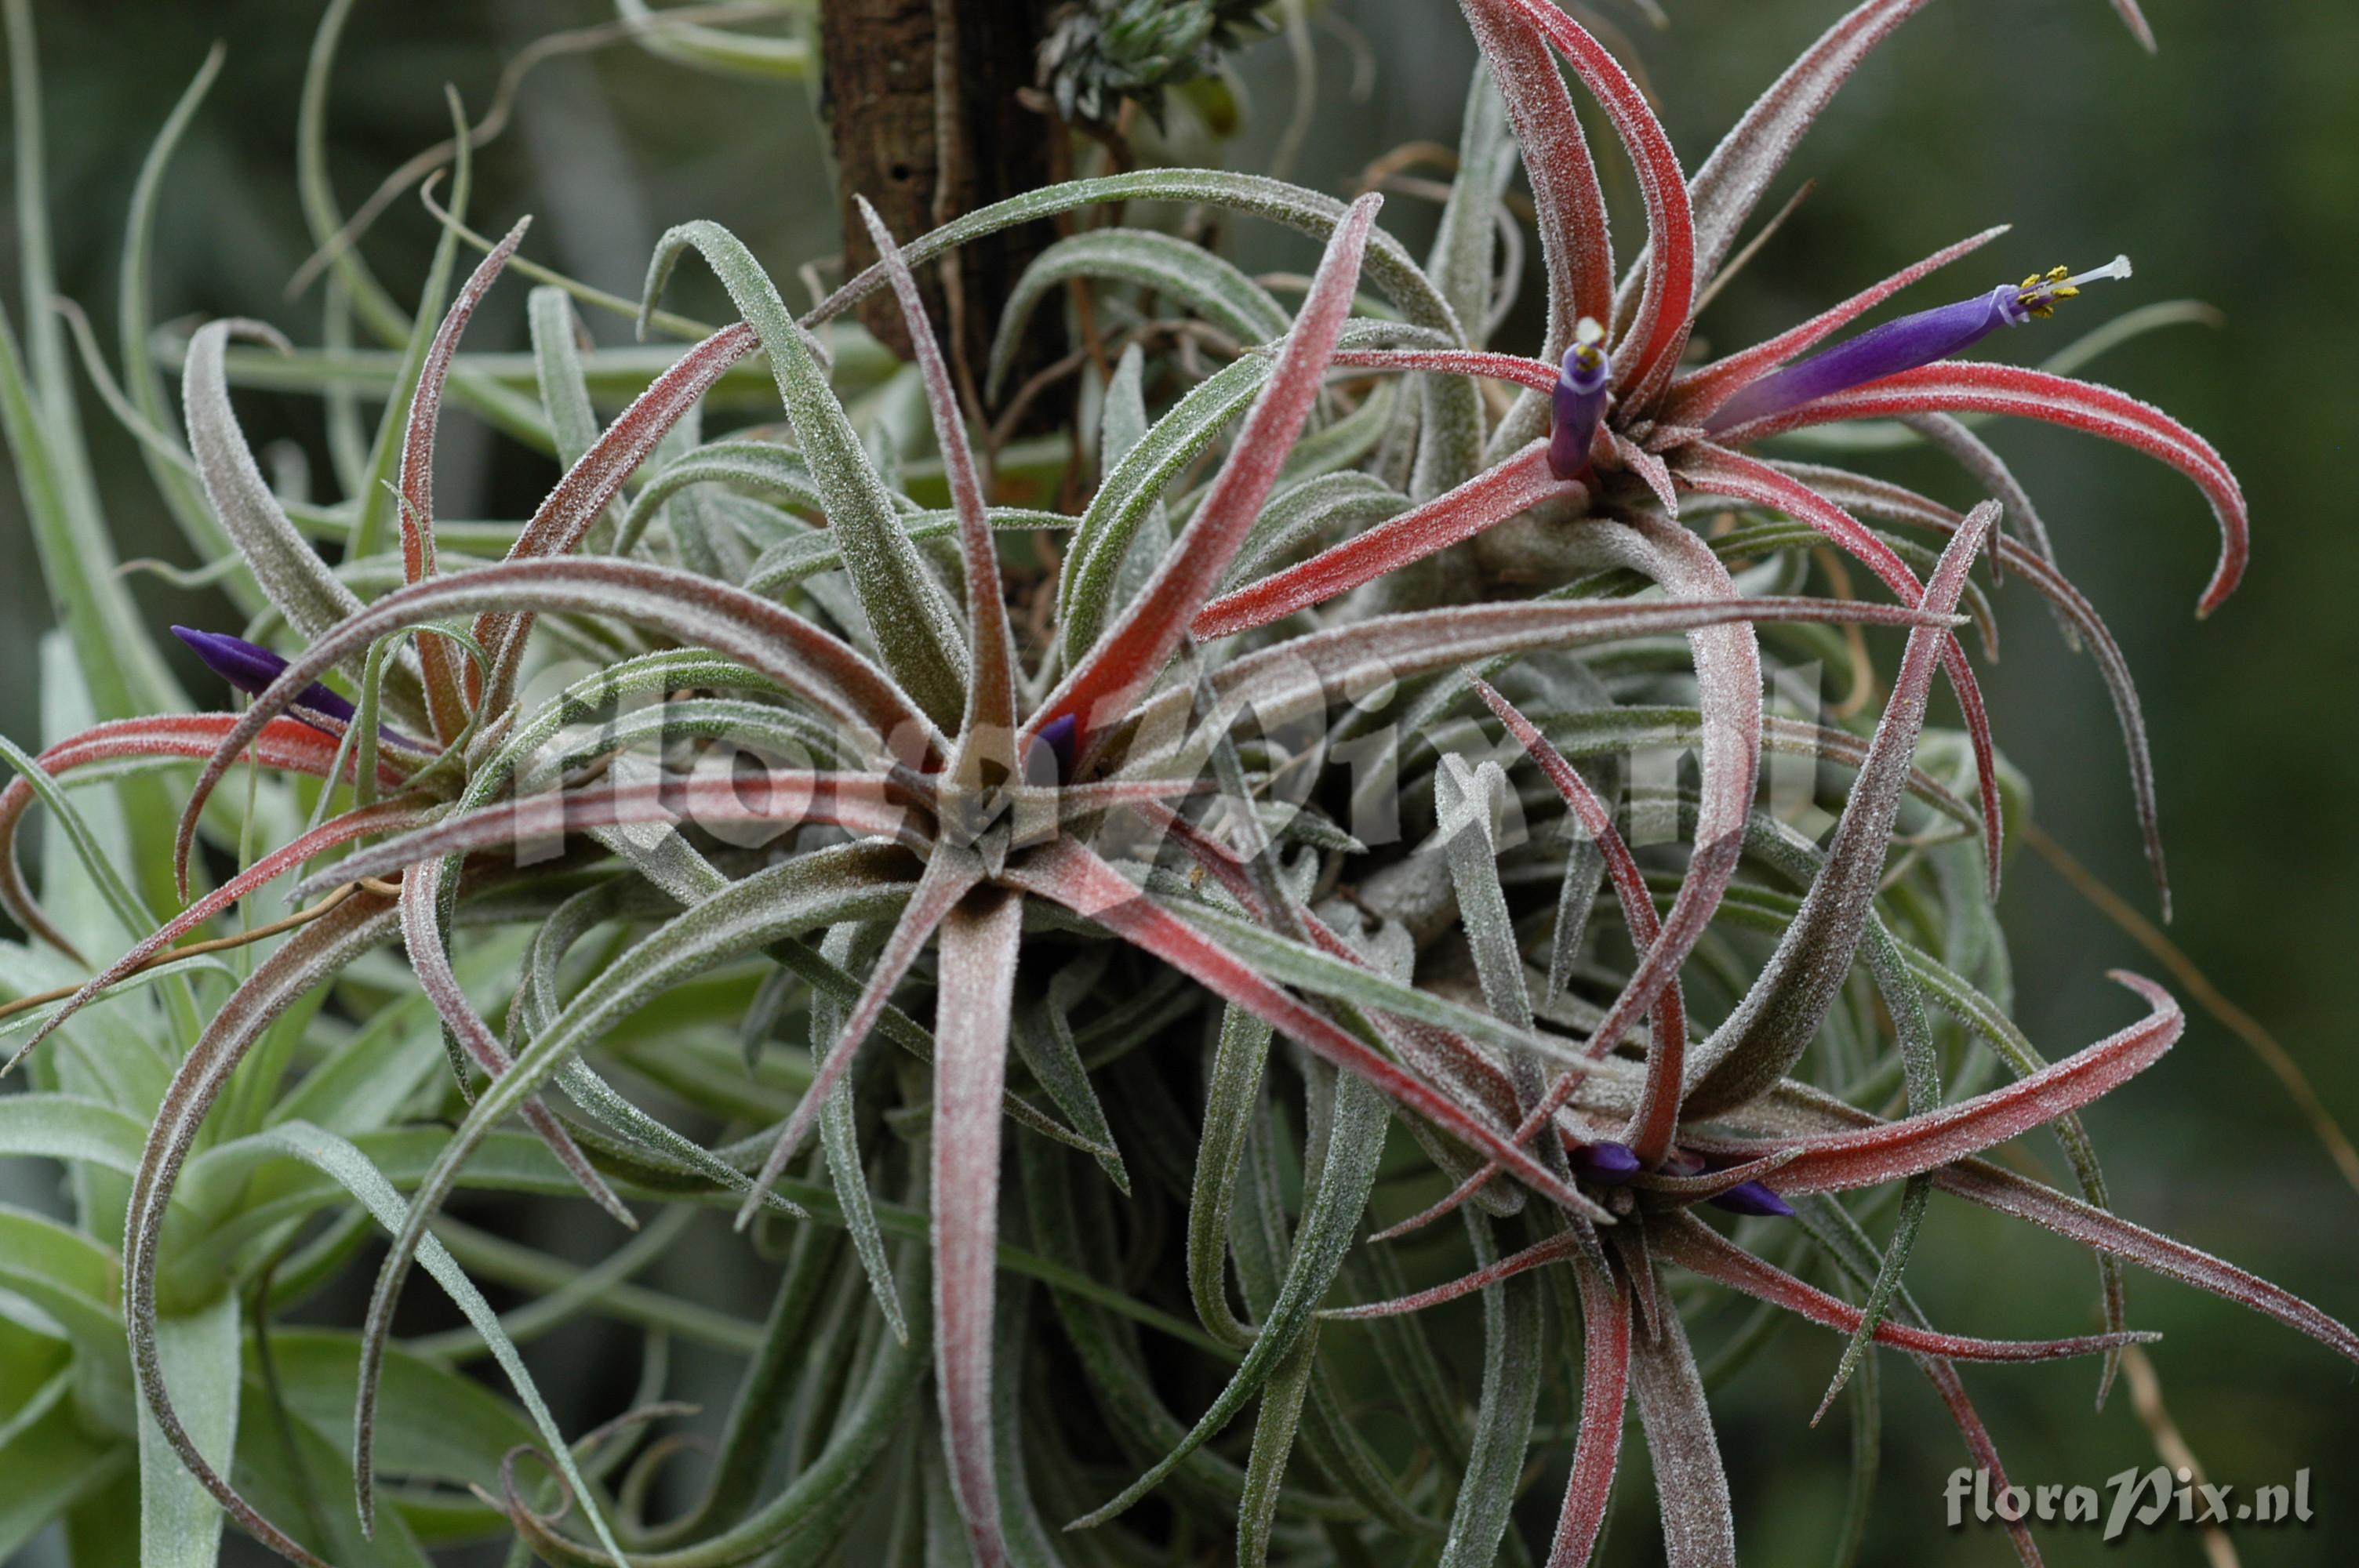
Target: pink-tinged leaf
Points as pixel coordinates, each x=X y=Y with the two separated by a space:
x=582 y=494
x=1576 y=244
x=1307 y=674
x=1971 y=387
x=865 y=803
x=1728 y=686
x=1732 y=182
x=2091 y=1226
x=1132 y=651
x=1868 y=1156
x=1493 y=496
x=1694 y=1246
x=437 y=658
x=444 y=702
x=320 y=949
x=285 y=743
x=1716 y=470
x=979 y=946
x=1880 y=498
x=1979 y=1446
x=1690 y=1487
x=1563 y=1245
x=390 y=816
x=696 y=610
x=1448 y=1057
x=1649 y=351
x=2134 y=20
x=990 y=683
x=1068 y=873
x=1538 y=374
x=949 y=877
x=430 y=962
x=1651 y=1126
x=1604 y=1387
x=1782 y=1011
x=1698 y=394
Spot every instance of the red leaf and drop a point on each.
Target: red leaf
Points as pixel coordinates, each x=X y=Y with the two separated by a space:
x=1576 y=244
x=1649 y=1133
x=948 y=878
x=430 y=962
x=979 y=948
x=1880 y=498
x=1784 y=1009
x=1132 y=651
x=569 y=510
x=1538 y=374
x=1724 y=472
x=990 y=683
x=1696 y=1246
x=697 y=610
x=1562 y=1245
x=1728 y=679
x=1869 y=1155
x=1964 y=387
x=386 y=817
x=1604 y=1383
x=2092 y=1227
x=1499 y=492
x=1659 y=329
x=282 y=743
x=435 y=659
x=862 y=803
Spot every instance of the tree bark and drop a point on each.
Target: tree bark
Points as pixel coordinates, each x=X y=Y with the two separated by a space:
x=920 y=98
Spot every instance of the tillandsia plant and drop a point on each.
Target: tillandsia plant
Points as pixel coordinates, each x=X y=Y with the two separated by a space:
x=790 y=823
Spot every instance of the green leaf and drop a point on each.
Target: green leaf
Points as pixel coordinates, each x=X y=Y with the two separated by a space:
x=135 y=320
x=1512 y=1356
x=1186 y=273
x=51 y=1464
x=179 y=1523
x=915 y=625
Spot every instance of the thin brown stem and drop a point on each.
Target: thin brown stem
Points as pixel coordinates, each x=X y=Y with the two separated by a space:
x=217 y=943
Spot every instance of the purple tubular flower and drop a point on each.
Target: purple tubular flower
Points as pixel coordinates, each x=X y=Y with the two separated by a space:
x=1579 y=400
x=1049 y=760
x=251 y=667
x=1607 y=1163
x=1752 y=1197
x=1905 y=344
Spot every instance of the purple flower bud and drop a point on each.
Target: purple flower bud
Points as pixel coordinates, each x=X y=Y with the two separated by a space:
x=251 y=667
x=1049 y=760
x=1905 y=344
x=1752 y=1197
x=1607 y=1163
x=1579 y=401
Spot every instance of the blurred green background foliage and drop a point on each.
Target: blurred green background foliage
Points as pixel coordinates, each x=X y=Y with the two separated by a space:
x=2228 y=168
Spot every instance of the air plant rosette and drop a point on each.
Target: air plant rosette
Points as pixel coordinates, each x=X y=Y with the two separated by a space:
x=825 y=779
